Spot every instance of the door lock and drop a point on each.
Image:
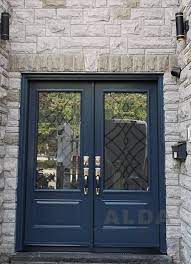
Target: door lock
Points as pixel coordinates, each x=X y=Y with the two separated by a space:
x=86 y=161
x=97 y=161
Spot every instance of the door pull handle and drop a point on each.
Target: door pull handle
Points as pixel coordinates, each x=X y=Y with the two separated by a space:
x=97 y=186
x=86 y=175
x=98 y=175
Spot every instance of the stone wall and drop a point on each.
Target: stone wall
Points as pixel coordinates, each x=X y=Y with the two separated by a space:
x=4 y=94
x=96 y=36
x=184 y=54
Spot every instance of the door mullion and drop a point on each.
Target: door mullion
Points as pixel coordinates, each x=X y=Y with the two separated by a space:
x=92 y=106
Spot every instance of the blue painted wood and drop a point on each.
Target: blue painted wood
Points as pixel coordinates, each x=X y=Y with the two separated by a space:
x=118 y=205
x=95 y=234
x=20 y=210
x=59 y=217
x=161 y=165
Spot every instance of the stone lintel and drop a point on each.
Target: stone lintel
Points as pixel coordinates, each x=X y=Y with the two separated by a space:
x=77 y=63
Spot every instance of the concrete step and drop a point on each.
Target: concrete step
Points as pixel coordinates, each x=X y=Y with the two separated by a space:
x=93 y=258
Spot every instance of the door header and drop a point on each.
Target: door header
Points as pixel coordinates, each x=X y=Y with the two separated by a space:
x=93 y=76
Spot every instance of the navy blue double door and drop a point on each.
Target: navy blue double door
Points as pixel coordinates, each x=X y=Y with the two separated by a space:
x=92 y=165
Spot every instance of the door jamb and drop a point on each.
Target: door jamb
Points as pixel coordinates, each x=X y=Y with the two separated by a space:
x=25 y=84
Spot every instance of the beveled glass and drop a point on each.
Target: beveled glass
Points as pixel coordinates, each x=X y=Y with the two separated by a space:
x=58 y=140
x=125 y=141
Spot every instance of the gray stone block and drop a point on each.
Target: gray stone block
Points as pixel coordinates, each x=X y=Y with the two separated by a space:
x=54 y=3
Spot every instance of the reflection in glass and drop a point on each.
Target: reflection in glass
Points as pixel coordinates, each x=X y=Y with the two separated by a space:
x=58 y=149
x=126 y=141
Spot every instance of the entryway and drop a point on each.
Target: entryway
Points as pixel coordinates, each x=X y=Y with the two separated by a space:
x=92 y=176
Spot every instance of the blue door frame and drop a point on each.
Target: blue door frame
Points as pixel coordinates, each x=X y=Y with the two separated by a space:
x=26 y=81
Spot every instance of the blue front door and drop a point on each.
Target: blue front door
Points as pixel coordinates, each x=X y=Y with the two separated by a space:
x=126 y=203
x=59 y=186
x=92 y=173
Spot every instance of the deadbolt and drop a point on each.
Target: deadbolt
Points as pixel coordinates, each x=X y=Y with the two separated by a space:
x=86 y=161
x=97 y=161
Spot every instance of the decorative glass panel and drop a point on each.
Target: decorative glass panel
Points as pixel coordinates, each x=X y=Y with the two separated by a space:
x=126 y=148
x=58 y=147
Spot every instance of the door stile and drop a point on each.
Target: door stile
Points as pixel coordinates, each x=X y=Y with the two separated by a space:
x=89 y=146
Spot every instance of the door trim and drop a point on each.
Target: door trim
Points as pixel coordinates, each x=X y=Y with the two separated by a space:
x=22 y=158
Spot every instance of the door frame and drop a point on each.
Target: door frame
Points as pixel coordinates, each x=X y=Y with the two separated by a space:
x=22 y=157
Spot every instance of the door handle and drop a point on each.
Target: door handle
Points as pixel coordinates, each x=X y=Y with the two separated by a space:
x=86 y=175
x=98 y=176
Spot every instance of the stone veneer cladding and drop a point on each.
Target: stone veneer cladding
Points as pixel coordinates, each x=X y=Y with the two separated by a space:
x=184 y=119
x=129 y=36
x=4 y=104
